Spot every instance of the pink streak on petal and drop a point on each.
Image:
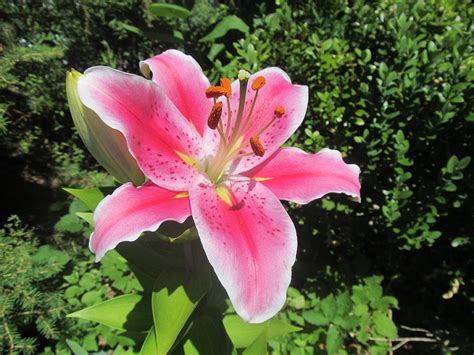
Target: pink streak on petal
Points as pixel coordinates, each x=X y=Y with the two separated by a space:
x=252 y=245
x=153 y=127
x=278 y=91
x=300 y=177
x=182 y=80
x=130 y=211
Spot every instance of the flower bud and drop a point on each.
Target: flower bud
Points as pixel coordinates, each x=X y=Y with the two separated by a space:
x=107 y=145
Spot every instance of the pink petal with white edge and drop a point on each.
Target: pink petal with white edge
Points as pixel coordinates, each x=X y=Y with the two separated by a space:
x=277 y=92
x=154 y=128
x=130 y=211
x=293 y=175
x=251 y=245
x=182 y=80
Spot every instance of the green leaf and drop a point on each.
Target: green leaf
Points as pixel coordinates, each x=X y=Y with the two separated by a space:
x=216 y=48
x=128 y=312
x=91 y=197
x=315 y=318
x=329 y=307
x=86 y=216
x=176 y=294
x=452 y=163
x=69 y=223
x=259 y=346
x=131 y=28
x=76 y=348
x=46 y=254
x=459 y=241
x=333 y=340
x=464 y=162
x=149 y=345
x=384 y=325
x=243 y=334
x=169 y=10
x=228 y=23
x=207 y=335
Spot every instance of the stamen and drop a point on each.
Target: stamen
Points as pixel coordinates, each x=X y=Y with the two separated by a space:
x=215 y=92
x=215 y=115
x=225 y=83
x=279 y=111
x=258 y=83
x=257 y=146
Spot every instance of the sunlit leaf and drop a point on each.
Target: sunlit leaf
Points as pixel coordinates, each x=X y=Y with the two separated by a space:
x=384 y=325
x=128 y=312
x=149 y=345
x=176 y=294
x=243 y=334
x=91 y=197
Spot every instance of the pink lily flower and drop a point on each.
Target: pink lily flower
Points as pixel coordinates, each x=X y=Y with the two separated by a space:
x=214 y=152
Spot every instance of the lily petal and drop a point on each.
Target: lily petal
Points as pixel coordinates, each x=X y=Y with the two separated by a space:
x=277 y=92
x=182 y=80
x=293 y=175
x=157 y=134
x=130 y=211
x=251 y=244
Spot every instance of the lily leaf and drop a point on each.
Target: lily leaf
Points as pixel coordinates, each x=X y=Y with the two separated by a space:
x=149 y=345
x=128 y=312
x=90 y=197
x=207 y=335
x=176 y=294
x=244 y=334
x=258 y=347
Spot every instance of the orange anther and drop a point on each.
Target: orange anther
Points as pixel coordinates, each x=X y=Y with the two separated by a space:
x=257 y=146
x=225 y=83
x=215 y=115
x=258 y=83
x=215 y=91
x=279 y=111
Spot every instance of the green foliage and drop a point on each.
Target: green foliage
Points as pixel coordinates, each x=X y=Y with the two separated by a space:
x=28 y=297
x=361 y=315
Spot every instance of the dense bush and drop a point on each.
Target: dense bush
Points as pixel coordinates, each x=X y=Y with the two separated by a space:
x=390 y=86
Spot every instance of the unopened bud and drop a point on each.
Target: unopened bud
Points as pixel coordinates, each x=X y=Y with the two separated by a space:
x=107 y=145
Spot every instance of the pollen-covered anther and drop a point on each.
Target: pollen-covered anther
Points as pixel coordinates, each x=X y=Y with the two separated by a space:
x=215 y=115
x=225 y=83
x=215 y=91
x=257 y=146
x=258 y=83
x=279 y=111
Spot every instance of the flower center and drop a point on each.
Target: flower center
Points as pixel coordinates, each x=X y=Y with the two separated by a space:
x=233 y=136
